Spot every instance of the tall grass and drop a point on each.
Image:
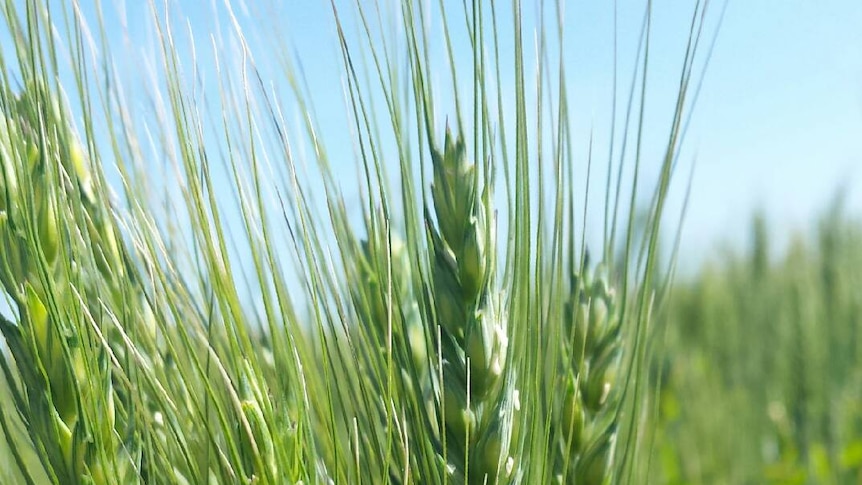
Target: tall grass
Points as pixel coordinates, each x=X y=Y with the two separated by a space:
x=236 y=323
x=763 y=383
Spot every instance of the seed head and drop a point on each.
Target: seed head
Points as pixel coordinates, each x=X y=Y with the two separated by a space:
x=453 y=190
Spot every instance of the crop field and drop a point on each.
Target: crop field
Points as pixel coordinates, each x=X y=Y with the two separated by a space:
x=761 y=370
x=208 y=278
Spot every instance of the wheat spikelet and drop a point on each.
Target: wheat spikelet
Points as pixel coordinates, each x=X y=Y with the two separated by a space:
x=585 y=423
x=70 y=396
x=472 y=329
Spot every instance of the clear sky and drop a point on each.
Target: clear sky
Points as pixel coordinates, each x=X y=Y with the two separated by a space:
x=778 y=125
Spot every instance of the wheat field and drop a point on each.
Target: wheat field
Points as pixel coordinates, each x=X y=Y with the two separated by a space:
x=205 y=282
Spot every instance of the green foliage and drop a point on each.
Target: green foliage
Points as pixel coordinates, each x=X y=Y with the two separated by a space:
x=763 y=364
x=51 y=271
x=243 y=328
x=587 y=422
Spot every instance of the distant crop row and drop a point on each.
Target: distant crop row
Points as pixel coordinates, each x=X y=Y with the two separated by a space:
x=762 y=374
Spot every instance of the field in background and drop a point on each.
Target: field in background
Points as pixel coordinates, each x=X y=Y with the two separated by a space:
x=762 y=373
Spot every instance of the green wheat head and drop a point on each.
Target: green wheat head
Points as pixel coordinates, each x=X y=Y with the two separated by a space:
x=241 y=322
x=56 y=258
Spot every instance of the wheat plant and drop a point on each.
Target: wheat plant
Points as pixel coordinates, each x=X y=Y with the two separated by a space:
x=767 y=344
x=237 y=320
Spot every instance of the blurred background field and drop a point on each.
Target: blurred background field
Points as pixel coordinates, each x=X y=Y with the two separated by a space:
x=762 y=374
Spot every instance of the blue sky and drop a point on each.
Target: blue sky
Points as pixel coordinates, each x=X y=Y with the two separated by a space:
x=778 y=126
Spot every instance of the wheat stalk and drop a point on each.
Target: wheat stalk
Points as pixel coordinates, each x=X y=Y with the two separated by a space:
x=469 y=317
x=70 y=398
x=223 y=341
x=586 y=419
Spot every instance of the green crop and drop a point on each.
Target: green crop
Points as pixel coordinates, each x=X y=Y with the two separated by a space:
x=194 y=298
